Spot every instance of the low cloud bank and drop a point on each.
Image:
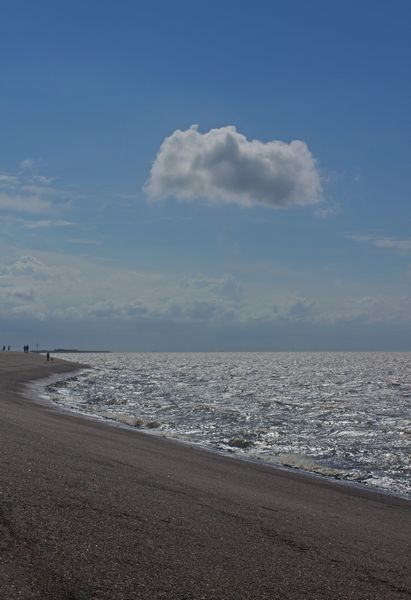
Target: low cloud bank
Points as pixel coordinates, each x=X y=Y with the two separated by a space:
x=222 y=166
x=54 y=286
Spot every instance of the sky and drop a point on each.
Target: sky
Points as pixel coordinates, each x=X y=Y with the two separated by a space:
x=214 y=176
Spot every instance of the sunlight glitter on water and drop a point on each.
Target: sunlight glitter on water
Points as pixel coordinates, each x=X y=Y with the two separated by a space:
x=346 y=415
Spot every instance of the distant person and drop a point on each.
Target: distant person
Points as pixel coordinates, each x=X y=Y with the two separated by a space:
x=8 y=348
x=48 y=355
x=4 y=348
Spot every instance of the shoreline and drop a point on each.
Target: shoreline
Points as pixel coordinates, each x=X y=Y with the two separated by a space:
x=113 y=422
x=95 y=512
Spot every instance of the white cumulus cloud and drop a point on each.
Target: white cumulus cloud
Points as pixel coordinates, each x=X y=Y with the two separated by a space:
x=223 y=166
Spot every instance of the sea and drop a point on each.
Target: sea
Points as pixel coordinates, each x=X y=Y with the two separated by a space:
x=339 y=415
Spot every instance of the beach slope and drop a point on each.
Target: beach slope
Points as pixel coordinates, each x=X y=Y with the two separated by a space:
x=92 y=512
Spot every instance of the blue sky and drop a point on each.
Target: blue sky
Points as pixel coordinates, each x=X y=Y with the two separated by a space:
x=123 y=227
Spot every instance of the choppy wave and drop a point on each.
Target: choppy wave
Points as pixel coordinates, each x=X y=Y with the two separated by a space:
x=345 y=415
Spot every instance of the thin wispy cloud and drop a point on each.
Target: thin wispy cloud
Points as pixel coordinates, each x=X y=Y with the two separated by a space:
x=28 y=164
x=326 y=211
x=28 y=191
x=45 y=224
x=43 y=179
x=394 y=243
x=85 y=242
x=222 y=166
x=6 y=179
x=27 y=203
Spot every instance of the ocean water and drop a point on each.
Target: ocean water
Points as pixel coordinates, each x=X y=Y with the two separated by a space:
x=342 y=415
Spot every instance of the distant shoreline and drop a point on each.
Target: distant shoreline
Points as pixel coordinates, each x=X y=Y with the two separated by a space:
x=71 y=351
